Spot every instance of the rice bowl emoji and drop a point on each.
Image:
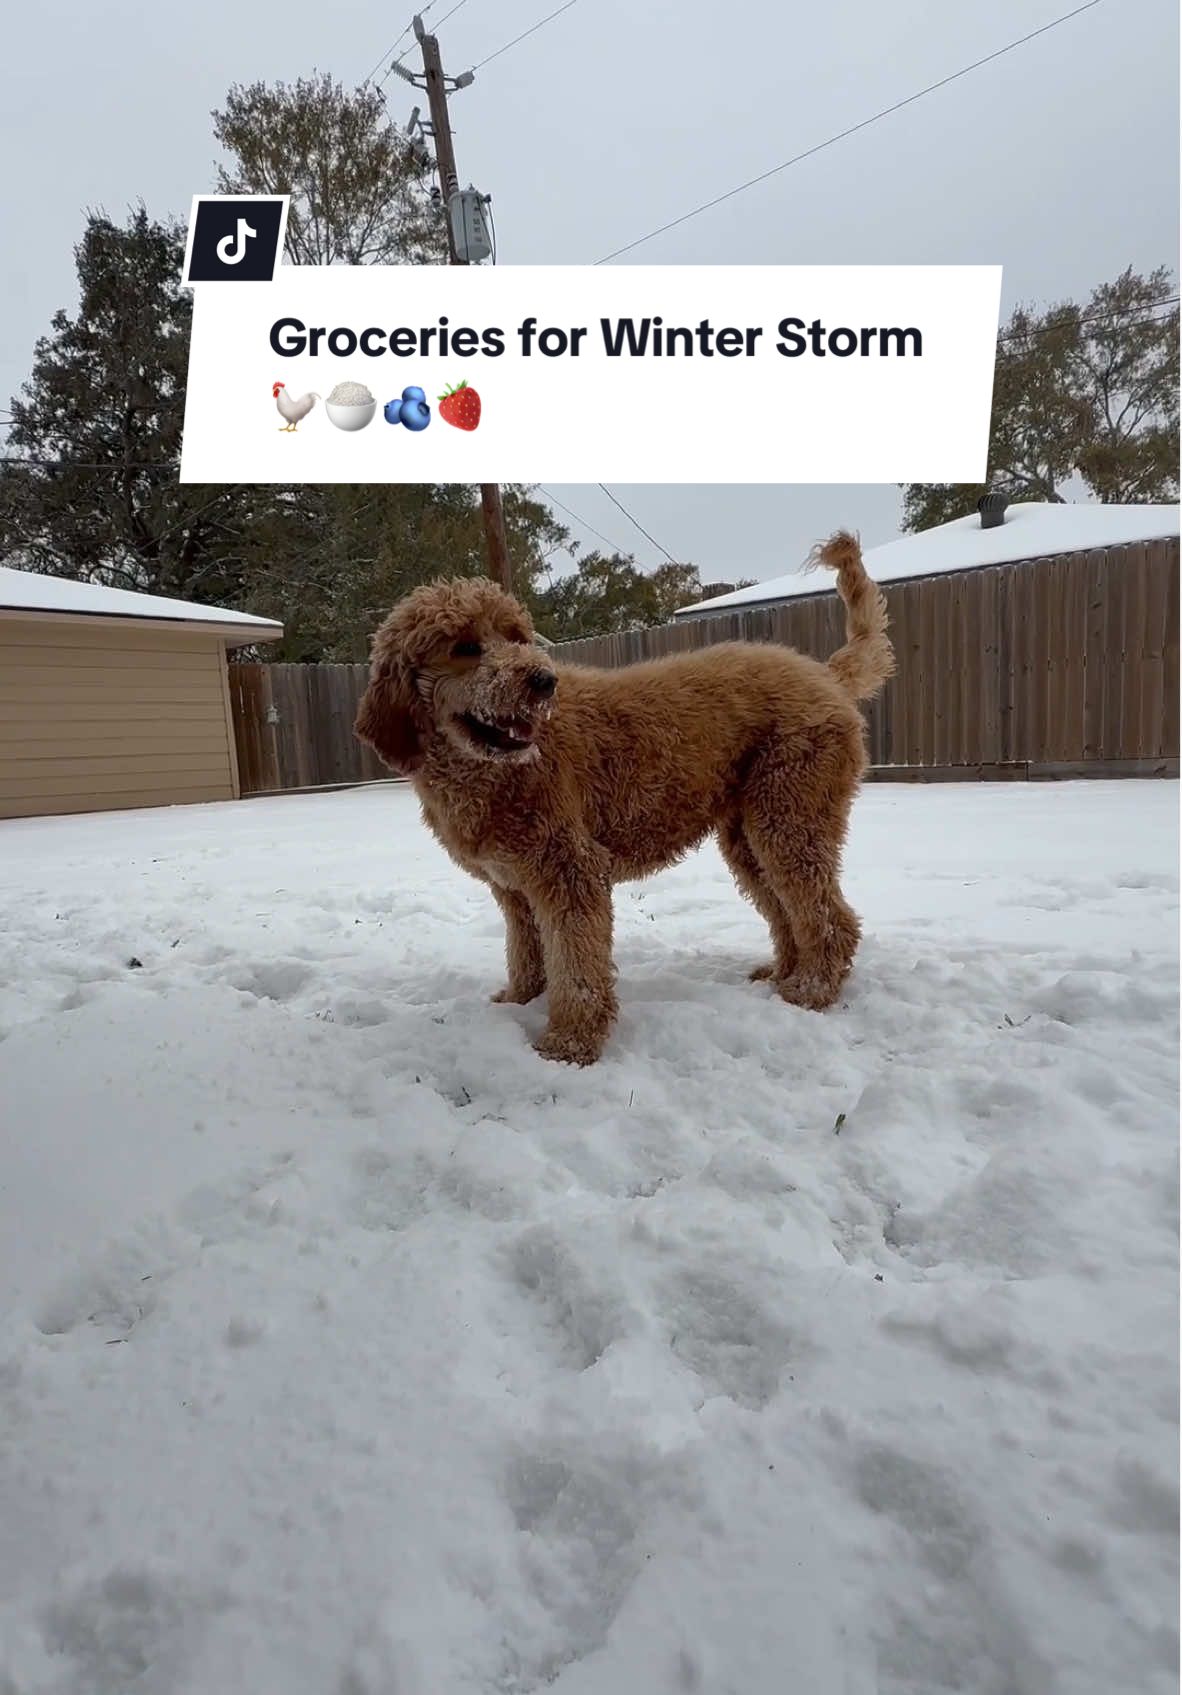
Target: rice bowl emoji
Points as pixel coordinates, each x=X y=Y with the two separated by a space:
x=351 y=406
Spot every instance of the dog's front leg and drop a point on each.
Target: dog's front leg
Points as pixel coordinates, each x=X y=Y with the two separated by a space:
x=574 y=915
x=523 y=950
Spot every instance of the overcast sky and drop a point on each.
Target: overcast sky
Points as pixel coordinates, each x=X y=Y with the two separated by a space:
x=1059 y=160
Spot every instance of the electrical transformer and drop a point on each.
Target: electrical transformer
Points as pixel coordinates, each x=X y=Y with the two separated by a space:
x=470 y=224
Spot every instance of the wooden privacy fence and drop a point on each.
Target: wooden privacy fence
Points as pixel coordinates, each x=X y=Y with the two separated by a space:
x=1036 y=668
x=1066 y=661
x=293 y=725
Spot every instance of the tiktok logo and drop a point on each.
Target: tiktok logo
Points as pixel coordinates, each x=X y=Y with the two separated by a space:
x=234 y=238
x=232 y=248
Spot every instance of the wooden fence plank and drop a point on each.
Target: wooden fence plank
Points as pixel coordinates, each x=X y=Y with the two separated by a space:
x=987 y=697
x=1005 y=665
x=952 y=633
x=272 y=768
x=900 y=693
x=1069 y=679
x=935 y=628
x=919 y=716
x=1037 y=584
x=1111 y=650
x=1020 y=638
x=1039 y=654
x=1042 y=646
x=1054 y=591
x=245 y=689
x=1133 y=605
x=1094 y=659
x=927 y=719
x=1168 y=730
x=1071 y=655
x=1154 y=638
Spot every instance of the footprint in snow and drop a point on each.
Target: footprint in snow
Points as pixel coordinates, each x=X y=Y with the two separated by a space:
x=129 y=1629
x=727 y=1336
x=271 y=980
x=580 y=1317
x=960 y=1630
x=582 y=1512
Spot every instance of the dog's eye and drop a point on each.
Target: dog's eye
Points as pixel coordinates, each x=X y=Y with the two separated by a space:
x=465 y=650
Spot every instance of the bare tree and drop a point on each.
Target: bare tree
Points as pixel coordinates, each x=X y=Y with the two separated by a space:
x=359 y=195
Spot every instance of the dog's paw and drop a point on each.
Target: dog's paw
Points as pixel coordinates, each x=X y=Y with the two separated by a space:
x=773 y=972
x=517 y=994
x=569 y=1047
x=806 y=989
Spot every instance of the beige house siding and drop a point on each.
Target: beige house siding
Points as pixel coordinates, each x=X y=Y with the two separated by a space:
x=98 y=715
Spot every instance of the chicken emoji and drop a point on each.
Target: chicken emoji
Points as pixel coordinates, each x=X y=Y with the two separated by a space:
x=292 y=407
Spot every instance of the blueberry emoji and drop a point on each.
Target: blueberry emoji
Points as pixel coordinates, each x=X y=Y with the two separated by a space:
x=415 y=414
x=411 y=410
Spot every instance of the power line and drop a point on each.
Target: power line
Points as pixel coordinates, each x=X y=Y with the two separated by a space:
x=406 y=31
x=75 y=465
x=390 y=67
x=1110 y=312
x=450 y=14
x=107 y=465
x=189 y=517
x=608 y=542
x=384 y=57
x=394 y=63
x=534 y=28
x=842 y=135
x=637 y=523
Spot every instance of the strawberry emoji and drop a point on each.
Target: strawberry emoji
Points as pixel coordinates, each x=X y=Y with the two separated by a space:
x=461 y=407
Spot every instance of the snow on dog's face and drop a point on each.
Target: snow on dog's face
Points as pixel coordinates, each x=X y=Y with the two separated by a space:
x=490 y=689
x=456 y=660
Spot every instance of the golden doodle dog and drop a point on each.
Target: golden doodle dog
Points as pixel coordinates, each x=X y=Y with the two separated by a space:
x=552 y=782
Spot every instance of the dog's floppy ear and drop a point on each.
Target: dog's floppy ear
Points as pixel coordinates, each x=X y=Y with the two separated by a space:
x=389 y=718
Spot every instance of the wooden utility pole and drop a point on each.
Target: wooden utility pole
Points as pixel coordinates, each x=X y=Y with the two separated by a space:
x=499 y=566
x=445 y=153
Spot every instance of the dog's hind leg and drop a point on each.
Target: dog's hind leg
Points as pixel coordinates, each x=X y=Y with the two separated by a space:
x=745 y=868
x=523 y=950
x=796 y=807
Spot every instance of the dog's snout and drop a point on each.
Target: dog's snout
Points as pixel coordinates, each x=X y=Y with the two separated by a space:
x=543 y=683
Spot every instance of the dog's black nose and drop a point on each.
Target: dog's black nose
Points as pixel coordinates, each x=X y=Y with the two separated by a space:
x=543 y=682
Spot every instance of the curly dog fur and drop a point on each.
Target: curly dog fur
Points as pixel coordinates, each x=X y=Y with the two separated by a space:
x=552 y=782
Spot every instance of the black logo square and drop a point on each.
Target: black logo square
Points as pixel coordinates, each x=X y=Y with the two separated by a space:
x=235 y=240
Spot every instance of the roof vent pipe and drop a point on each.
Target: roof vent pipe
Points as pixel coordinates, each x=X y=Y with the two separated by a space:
x=992 y=508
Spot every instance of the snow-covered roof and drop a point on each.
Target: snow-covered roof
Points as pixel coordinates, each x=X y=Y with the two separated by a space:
x=29 y=591
x=1033 y=529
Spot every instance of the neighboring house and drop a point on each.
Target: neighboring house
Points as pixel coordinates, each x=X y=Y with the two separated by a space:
x=1029 y=531
x=114 y=699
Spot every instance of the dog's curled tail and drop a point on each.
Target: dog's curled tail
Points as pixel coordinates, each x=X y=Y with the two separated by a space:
x=863 y=665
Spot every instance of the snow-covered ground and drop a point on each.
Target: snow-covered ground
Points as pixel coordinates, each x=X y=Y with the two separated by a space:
x=349 y=1348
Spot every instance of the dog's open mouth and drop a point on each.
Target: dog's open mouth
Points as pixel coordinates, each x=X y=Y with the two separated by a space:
x=500 y=735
